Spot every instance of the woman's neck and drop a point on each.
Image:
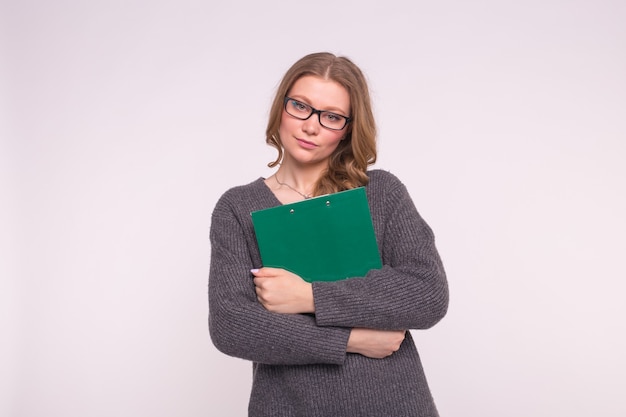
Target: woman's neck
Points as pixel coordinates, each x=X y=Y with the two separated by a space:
x=301 y=181
x=298 y=178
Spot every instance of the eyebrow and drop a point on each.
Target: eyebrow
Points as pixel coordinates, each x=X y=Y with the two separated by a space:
x=331 y=109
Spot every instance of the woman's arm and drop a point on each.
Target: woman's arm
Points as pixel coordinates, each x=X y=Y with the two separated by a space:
x=240 y=326
x=409 y=292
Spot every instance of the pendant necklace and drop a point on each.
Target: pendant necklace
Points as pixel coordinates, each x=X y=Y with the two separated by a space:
x=306 y=196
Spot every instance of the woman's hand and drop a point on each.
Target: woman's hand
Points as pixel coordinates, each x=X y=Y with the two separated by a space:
x=281 y=291
x=374 y=343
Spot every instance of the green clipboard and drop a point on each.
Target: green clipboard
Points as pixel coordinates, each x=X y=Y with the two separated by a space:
x=325 y=238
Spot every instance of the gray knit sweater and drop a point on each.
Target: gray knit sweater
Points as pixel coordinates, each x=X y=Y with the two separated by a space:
x=300 y=364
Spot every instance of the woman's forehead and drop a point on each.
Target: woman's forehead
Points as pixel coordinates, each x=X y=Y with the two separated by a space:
x=321 y=93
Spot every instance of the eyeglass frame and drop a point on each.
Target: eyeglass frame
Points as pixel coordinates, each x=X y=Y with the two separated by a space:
x=316 y=111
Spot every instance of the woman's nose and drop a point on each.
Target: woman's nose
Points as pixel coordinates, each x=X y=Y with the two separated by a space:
x=311 y=125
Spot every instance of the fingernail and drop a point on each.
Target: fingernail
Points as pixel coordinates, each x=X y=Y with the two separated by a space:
x=254 y=271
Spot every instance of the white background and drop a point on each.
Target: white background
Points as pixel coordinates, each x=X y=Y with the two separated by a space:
x=124 y=121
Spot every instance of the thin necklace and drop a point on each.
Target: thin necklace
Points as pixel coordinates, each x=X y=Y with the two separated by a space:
x=306 y=196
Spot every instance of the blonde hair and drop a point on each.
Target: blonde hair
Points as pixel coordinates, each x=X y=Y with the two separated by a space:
x=348 y=163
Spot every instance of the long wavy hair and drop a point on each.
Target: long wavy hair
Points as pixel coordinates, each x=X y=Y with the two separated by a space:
x=348 y=163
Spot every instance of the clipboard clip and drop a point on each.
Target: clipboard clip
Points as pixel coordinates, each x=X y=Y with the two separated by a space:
x=292 y=211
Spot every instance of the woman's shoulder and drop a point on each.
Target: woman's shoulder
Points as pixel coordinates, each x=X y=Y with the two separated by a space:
x=243 y=195
x=245 y=189
x=385 y=188
x=382 y=179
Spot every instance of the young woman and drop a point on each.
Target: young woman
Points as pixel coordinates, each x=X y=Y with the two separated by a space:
x=327 y=349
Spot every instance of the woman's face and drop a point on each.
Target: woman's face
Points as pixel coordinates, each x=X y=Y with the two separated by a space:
x=307 y=142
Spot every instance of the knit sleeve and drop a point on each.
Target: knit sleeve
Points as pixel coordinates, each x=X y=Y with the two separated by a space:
x=239 y=325
x=410 y=291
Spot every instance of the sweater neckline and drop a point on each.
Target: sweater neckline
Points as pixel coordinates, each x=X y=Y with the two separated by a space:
x=268 y=191
x=271 y=195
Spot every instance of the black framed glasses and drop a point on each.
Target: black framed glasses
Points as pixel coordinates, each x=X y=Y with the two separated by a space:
x=303 y=111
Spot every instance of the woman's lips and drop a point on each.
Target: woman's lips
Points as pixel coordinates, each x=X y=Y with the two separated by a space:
x=306 y=144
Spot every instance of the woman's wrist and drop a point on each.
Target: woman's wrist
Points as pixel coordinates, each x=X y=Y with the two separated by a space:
x=309 y=300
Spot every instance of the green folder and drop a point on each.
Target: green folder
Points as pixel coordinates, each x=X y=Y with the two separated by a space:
x=325 y=238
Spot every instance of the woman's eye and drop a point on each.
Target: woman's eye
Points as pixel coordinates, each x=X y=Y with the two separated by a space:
x=298 y=106
x=332 y=117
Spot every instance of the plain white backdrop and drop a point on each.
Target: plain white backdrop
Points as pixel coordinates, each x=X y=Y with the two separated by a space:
x=124 y=121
